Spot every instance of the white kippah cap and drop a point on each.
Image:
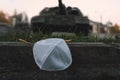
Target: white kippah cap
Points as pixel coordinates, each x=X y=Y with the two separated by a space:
x=52 y=54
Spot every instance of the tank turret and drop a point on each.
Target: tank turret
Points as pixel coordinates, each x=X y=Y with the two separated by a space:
x=61 y=19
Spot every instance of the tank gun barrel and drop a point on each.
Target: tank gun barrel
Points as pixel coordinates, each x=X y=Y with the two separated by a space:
x=62 y=8
x=60 y=3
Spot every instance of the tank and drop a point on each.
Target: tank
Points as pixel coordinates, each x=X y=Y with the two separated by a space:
x=61 y=19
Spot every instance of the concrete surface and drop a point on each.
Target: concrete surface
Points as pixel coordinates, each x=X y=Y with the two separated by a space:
x=91 y=61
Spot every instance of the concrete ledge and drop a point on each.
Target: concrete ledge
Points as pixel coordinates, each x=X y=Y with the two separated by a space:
x=13 y=44
x=91 y=61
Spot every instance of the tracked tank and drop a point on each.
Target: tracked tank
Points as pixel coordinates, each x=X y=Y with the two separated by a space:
x=61 y=19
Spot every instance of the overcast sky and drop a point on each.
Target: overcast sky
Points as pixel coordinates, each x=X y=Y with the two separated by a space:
x=96 y=10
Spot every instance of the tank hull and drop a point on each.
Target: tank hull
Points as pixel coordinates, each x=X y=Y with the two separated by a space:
x=61 y=23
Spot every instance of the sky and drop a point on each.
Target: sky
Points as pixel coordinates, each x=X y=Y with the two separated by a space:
x=96 y=10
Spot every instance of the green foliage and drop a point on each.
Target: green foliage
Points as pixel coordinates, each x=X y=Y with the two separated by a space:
x=33 y=37
x=28 y=36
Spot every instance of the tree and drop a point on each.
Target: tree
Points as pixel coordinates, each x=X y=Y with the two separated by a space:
x=115 y=29
x=5 y=18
